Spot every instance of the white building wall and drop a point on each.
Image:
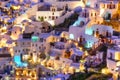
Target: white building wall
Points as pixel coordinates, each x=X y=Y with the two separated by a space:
x=32 y=11
x=47 y=14
x=91 y=3
x=93 y=13
x=111 y=65
x=62 y=18
x=109 y=51
x=35 y=1
x=76 y=31
x=61 y=4
x=21 y=46
x=19 y=19
x=15 y=33
x=116 y=41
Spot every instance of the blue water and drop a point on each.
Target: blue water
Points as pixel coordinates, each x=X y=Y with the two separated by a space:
x=19 y=63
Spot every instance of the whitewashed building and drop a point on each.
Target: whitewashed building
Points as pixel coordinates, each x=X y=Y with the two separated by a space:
x=113 y=60
x=48 y=13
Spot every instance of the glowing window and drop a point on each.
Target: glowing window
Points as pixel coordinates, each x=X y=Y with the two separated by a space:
x=71 y=36
x=117 y=55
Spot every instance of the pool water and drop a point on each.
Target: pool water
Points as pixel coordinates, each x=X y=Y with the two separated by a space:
x=18 y=61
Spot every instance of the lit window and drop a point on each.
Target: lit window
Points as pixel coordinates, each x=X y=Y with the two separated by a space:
x=91 y=14
x=95 y=14
x=71 y=36
x=39 y=47
x=103 y=5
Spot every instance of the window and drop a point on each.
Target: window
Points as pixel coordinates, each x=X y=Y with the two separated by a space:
x=28 y=42
x=44 y=40
x=27 y=49
x=111 y=55
x=91 y=14
x=16 y=44
x=39 y=47
x=95 y=14
x=93 y=32
x=97 y=32
x=113 y=6
x=44 y=47
x=56 y=17
x=103 y=6
x=71 y=36
x=32 y=44
x=37 y=33
x=53 y=9
x=49 y=17
x=108 y=6
x=81 y=23
x=52 y=13
x=53 y=17
x=39 y=17
x=41 y=39
x=96 y=5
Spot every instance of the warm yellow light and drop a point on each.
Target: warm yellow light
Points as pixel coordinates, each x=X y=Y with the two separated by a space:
x=105 y=71
x=71 y=70
x=76 y=44
x=86 y=53
x=117 y=56
x=101 y=12
x=118 y=63
x=17 y=73
x=82 y=68
x=81 y=48
x=16 y=7
x=70 y=41
x=11 y=50
x=4 y=28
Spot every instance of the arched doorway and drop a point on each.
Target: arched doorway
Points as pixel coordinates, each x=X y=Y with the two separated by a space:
x=107 y=16
x=81 y=23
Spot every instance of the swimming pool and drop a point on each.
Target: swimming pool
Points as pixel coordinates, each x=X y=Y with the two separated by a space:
x=19 y=63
